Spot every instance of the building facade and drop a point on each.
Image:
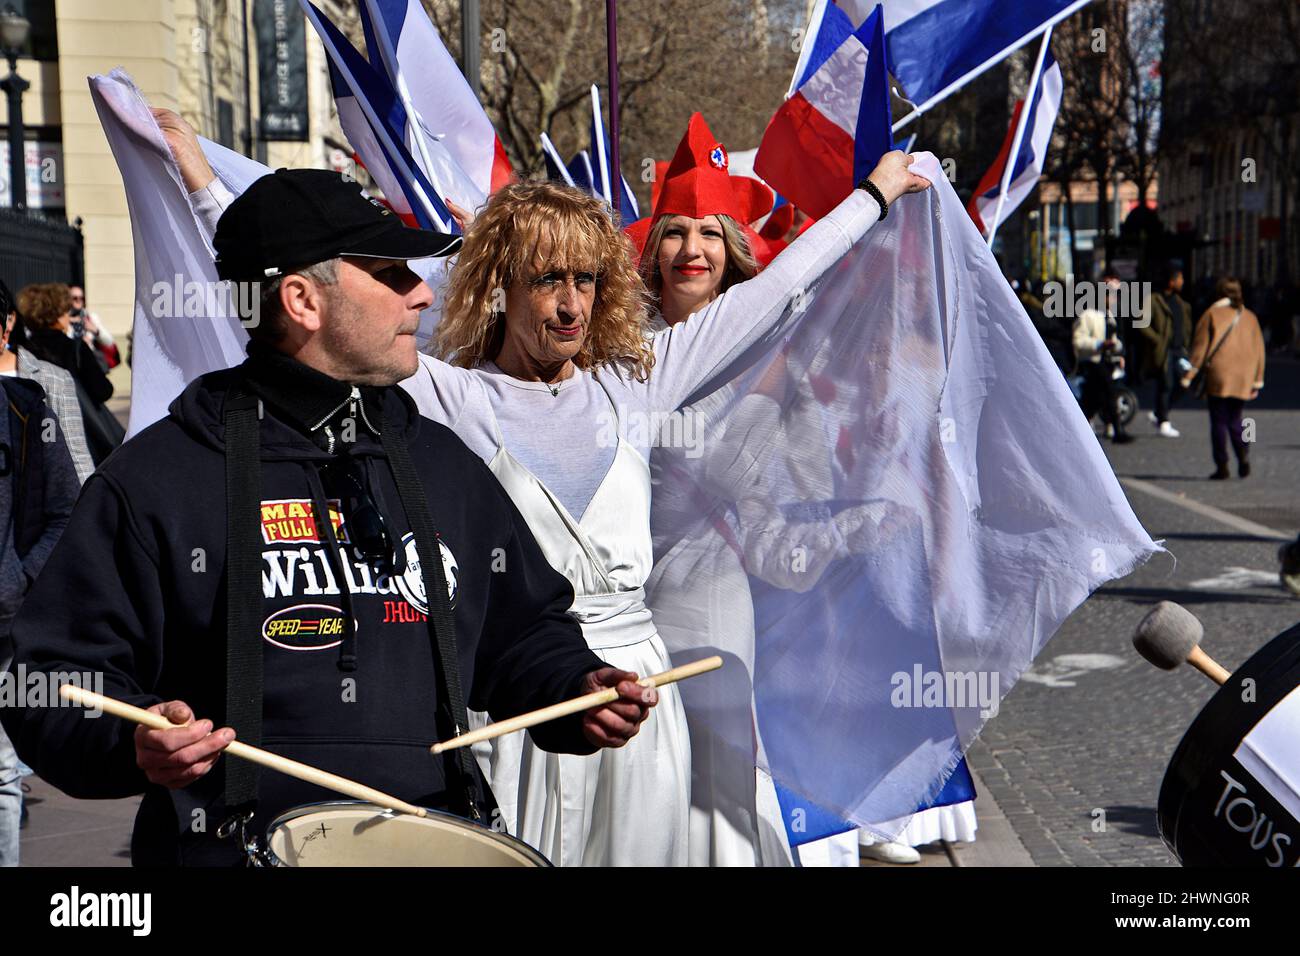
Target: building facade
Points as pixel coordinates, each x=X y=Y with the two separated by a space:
x=199 y=57
x=1230 y=137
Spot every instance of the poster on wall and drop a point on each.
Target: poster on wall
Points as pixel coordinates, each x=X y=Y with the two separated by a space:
x=44 y=161
x=281 y=69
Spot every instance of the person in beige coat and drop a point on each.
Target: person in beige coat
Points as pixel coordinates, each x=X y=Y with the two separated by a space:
x=1229 y=344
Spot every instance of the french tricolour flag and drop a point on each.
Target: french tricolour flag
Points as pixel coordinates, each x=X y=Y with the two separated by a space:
x=403 y=42
x=602 y=167
x=834 y=127
x=1029 y=159
x=374 y=122
x=935 y=46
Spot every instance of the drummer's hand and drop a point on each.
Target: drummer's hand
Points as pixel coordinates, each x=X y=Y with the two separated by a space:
x=613 y=725
x=184 y=144
x=176 y=758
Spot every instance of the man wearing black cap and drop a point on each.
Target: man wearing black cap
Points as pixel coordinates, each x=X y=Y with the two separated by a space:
x=373 y=582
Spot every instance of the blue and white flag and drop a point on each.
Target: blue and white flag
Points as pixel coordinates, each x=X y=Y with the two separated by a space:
x=937 y=46
x=449 y=134
x=375 y=123
x=583 y=173
x=1028 y=165
x=934 y=45
x=556 y=171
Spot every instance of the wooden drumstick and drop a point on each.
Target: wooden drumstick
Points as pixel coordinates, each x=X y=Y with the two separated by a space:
x=235 y=748
x=567 y=707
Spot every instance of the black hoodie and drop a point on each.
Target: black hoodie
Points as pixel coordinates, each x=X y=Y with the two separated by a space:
x=136 y=590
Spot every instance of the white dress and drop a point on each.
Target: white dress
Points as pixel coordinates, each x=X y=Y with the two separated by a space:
x=955 y=823
x=594 y=810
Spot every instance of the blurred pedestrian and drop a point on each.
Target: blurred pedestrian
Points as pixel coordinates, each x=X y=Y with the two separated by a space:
x=37 y=490
x=60 y=389
x=1165 y=340
x=1228 y=368
x=92 y=330
x=46 y=310
x=1053 y=329
x=1098 y=352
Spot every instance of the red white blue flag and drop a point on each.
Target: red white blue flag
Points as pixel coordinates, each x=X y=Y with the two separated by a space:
x=835 y=126
x=1029 y=160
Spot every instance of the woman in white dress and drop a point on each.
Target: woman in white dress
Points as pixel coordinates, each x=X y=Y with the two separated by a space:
x=544 y=367
x=695 y=247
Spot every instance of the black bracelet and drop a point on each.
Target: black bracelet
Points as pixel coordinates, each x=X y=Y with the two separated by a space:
x=874 y=192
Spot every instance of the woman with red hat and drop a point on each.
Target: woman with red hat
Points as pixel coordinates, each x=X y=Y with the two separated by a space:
x=698 y=242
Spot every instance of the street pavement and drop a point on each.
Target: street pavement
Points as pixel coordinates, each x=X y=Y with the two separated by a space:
x=1075 y=756
x=1069 y=769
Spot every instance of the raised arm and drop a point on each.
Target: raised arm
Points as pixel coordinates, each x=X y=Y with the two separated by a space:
x=693 y=352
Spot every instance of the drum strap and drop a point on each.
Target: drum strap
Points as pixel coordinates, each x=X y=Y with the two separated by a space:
x=442 y=628
x=243 y=591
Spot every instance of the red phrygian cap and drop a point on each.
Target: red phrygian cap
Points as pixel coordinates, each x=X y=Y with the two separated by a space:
x=697 y=182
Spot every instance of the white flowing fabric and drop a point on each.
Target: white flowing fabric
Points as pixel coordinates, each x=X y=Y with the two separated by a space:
x=955 y=823
x=173 y=258
x=910 y=489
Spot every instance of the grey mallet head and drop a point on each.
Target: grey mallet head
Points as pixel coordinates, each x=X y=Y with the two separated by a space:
x=1168 y=635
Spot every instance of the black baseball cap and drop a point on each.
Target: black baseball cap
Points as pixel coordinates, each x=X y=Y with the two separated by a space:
x=297 y=217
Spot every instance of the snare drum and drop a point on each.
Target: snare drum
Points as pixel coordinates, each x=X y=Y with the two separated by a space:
x=347 y=833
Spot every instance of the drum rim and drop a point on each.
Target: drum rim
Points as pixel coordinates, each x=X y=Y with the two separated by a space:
x=303 y=809
x=1216 y=713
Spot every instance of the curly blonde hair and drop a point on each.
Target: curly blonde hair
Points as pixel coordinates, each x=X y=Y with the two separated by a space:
x=741 y=263
x=528 y=229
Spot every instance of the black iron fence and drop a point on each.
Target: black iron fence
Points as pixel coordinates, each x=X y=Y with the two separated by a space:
x=36 y=249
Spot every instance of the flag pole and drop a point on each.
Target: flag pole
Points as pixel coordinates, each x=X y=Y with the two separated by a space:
x=1025 y=110
x=988 y=64
x=615 y=173
x=815 y=15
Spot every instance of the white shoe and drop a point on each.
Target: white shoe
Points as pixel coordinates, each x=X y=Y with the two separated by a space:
x=1151 y=417
x=1110 y=431
x=1168 y=430
x=890 y=853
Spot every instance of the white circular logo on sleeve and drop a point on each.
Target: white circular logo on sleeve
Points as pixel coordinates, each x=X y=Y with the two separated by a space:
x=411 y=584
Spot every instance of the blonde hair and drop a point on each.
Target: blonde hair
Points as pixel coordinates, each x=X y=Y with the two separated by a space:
x=741 y=264
x=529 y=228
